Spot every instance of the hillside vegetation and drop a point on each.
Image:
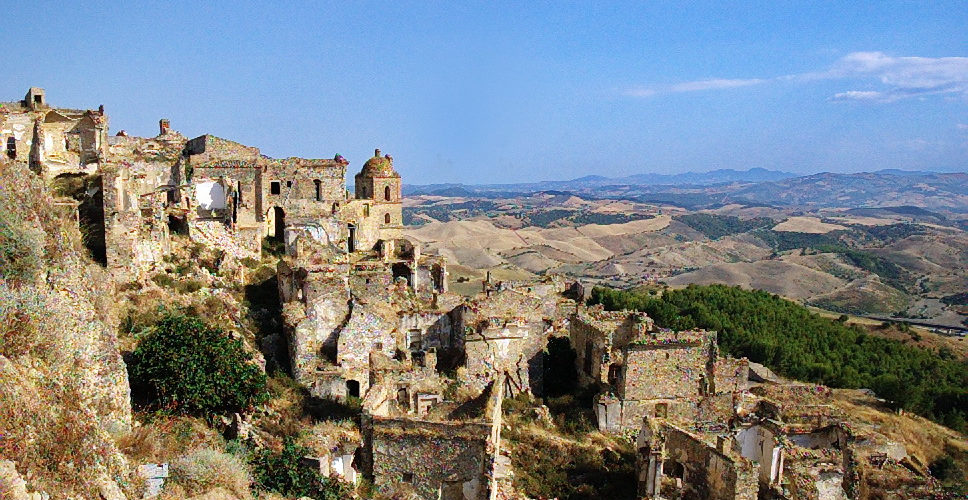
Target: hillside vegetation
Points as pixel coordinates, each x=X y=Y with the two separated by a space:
x=797 y=343
x=63 y=385
x=716 y=226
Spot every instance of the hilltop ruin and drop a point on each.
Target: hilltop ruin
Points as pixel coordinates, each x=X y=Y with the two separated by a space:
x=368 y=318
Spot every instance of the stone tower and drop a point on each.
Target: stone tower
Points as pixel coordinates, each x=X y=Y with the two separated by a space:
x=378 y=195
x=378 y=181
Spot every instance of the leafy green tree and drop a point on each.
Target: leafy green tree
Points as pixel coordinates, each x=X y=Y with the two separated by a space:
x=187 y=367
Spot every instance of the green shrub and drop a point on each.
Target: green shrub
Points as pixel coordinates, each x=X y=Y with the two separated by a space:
x=163 y=279
x=189 y=286
x=188 y=367
x=284 y=473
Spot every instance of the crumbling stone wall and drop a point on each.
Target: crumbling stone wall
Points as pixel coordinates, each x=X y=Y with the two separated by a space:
x=618 y=415
x=598 y=336
x=464 y=453
x=731 y=375
x=53 y=141
x=458 y=470
x=692 y=467
x=505 y=331
x=316 y=306
x=429 y=329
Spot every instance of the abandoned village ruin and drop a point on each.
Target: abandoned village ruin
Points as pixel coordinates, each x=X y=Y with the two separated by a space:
x=367 y=315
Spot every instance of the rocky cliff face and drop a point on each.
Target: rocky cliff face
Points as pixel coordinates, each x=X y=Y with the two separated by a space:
x=63 y=384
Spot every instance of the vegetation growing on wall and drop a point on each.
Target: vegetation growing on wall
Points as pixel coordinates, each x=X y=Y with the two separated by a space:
x=283 y=472
x=797 y=343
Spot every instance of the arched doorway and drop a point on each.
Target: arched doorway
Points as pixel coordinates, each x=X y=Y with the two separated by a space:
x=401 y=270
x=353 y=388
x=279 y=226
x=437 y=273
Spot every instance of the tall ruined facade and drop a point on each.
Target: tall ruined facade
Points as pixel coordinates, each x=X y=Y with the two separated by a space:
x=215 y=191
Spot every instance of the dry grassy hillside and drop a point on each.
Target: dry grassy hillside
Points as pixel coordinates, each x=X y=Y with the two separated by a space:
x=904 y=261
x=63 y=385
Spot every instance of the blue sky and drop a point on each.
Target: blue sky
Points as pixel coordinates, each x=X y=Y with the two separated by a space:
x=493 y=92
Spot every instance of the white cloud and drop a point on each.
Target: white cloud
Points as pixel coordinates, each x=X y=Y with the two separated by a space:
x=903 y=77
x=640 y=92
x=716 y=83
x=858 y=95
x=962 y=126
x=900 y=77
x=698 y=85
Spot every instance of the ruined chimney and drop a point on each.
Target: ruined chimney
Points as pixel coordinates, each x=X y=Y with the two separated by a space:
x=376 y=152
x=163 y=126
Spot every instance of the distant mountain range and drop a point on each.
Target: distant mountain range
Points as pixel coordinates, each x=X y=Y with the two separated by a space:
x=722 y=176
x=890 y=187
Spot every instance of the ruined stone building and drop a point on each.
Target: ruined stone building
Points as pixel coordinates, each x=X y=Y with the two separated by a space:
x=217 y=192
x=437 y=449
x=646 y=371
x=676 y=463
x=53 y=141
x=788 y=442
x=341 y=307
x=505 y=329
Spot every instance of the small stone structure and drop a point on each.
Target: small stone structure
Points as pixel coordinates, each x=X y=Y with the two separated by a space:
x=154 y=476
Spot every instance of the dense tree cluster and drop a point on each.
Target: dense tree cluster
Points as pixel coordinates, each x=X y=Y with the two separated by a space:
x=782 y=241
x=957 y=299
x=716 y=226
x=890 y=232
x=797 y=343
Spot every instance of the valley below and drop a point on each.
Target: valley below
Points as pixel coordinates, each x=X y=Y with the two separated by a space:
x=901 y=262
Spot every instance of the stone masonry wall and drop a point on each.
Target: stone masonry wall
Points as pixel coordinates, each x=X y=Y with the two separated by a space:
x=667 y=371
x=708 y=473
x=445 y=460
